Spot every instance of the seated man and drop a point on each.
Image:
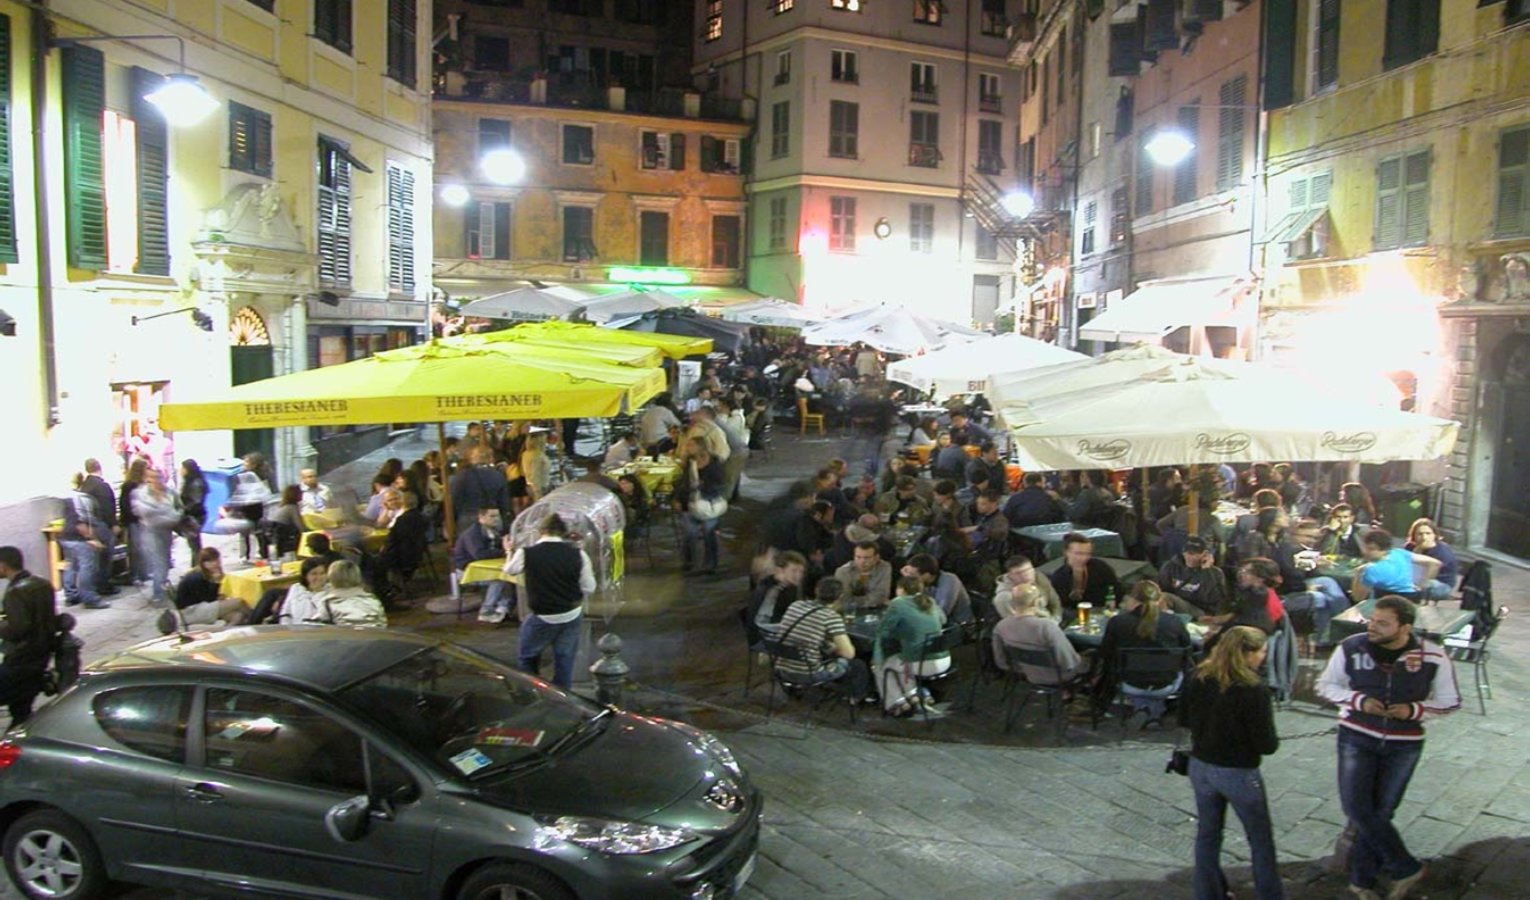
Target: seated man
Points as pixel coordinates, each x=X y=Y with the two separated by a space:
x=1033 y=504
x=987 y=469
x=902 y=504
x=1191 y=582
x=485 y=540
x=1026 y=630
x=1019 y=574
x=1391 y=570
x=1340 y=536
x=947 y=590
x=816 y=629
x=946 y=511
x=1302 y=591
x=866 y=528
x=1082 y=578
x=623 y=451
x=867 y=578
x=949 y=459
x=404 y=548
x=989 y=531
x=777 y=592
x=317 y=496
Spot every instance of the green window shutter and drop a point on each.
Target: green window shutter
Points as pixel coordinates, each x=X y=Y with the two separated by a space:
x=1511 y=217
x=153 y=146
x=1299 y=194
x=1280 y=53
x=1321 y=190
x=1144 y=198
x=401 y=41
x=1415 y=219
x=1185 y=172
x=84 y=78
x=1328 y=43
x=400 y=229
x=1388 y=204
x=677 y=152
x=7 y=177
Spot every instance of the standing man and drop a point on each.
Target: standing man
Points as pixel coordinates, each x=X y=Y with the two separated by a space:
x=84 y=541
x=558 y=578
x=26 y=634
x=1384 y=681
x=479 y=486
x=106 y=506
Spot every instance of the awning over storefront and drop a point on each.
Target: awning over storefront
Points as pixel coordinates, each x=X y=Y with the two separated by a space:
x=1158 y=307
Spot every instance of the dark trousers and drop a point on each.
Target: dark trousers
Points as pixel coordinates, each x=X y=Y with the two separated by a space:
x=1373 y=776
x=19 y=687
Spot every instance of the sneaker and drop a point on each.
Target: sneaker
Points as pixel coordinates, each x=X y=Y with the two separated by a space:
x=493 y=618
x=166 y=622
x=72 y=601
x=99 y=604
x=483 y=614
x=1402 y=886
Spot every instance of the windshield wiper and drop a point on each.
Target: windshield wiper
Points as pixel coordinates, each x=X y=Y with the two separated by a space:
x=537 y=756
x=578 y=731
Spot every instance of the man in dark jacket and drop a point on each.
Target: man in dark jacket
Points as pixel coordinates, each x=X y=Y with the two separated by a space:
x=86 y=541
x=1033 y=504
x=106 y=506
x=26 y=634
x=484 y=541
x=479 y=486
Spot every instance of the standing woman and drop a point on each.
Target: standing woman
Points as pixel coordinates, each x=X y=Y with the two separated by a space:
x=535 y=468
x=132 y=531
x=1232 y=724
x=158 y=513
x=194 y=505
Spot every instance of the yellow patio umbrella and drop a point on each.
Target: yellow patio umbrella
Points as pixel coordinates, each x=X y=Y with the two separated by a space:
x=557 y=347
x=672 y=346
x=428 y=383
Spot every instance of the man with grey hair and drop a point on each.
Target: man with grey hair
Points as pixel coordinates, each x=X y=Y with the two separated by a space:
x=317 y=496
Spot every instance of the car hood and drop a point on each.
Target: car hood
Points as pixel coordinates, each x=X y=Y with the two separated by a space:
x=633 y=768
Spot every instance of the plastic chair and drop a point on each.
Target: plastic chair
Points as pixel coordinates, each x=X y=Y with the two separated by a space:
x=1147 y=665
x=809 y=419
x=1016 y=657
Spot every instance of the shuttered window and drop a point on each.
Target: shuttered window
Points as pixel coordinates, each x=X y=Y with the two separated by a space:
x=334 y=214
x=725 y=235
x=249 y=140
x=1144 y=198
x=332 y=23
x=402 y=56
x=1232 y=96
x=1159 y=32
x=1511 y=214
x=84 y=79
x=1327 y=44
x=7 y=178
x=1185 y=172
x=1125 y=49
x=844 y=129
x=488 y=230
x=1412 y=31
x=1280 y=53
x=400 y=229
x=653 y=239
x=1402 y=201
x=153 y=146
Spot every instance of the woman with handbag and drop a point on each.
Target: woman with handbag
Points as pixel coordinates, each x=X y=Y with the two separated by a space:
x=1232 y=724
x=699 y=500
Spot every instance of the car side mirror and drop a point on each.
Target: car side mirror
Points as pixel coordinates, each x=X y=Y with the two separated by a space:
x=346 y=821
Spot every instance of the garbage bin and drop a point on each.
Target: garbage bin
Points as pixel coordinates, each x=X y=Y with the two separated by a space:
x=1401 y=504
x=220 y=483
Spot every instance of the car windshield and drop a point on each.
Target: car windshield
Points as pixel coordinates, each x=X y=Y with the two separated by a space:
x=471 y=715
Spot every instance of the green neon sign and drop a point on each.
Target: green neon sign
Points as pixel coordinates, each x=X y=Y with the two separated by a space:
x=631 y=275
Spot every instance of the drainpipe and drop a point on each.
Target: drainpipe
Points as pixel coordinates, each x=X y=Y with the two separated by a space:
x=1259 y=183
x=43 y=241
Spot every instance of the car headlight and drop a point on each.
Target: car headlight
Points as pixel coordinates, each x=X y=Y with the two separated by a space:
x=613 y=837
x=721 y=753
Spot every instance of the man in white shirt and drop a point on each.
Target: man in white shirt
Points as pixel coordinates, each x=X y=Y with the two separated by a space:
x=317 y=496
x=623 y=451
x=654 y=424
x=558 y=578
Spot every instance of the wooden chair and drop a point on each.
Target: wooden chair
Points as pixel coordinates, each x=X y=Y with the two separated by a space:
x=808 y=419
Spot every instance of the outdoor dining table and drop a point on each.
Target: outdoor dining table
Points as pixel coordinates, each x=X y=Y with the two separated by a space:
x=656 y=476
x=1433 y=620
x=1050 y=537
x=905 y=538
x=362 y=536
x=481 y=570
x=1092 y=637
x=1227 y=514
x=1340 y=568
x=248 y=585
x=862 y=625
x=1128 y=571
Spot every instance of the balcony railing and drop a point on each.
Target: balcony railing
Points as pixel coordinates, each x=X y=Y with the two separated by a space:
x=924 y=95
x=926 y=156
x=990 y=104
x=990 y=163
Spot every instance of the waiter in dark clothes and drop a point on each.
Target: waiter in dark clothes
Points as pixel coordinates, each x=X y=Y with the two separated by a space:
x=558 y=577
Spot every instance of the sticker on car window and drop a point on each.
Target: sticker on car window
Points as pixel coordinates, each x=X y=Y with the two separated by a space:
x=509 y=737
x=470 y=761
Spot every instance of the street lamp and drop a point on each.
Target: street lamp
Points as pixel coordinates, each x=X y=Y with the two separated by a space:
x=1168 y=147
x=1018 y=204
x=502 y=166
x=454 y=195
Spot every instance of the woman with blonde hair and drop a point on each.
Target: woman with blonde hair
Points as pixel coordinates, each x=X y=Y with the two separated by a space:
x=347 y=601
x=1232 y=724
x=535 y=468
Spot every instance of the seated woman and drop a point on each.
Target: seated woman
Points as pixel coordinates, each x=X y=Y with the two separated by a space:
x=912 y=618
x=635 y=504
x=1144 y=622
x=1424 y=539
x=346 y=600
x=284 y=522
x=198 y=599
x=292 y=605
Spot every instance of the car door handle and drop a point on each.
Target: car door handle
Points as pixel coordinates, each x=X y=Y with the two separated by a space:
x=203 y=792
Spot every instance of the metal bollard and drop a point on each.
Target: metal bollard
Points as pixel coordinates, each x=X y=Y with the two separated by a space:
x=610 y=670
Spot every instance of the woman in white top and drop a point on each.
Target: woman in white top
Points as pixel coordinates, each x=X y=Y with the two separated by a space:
x=301 y=603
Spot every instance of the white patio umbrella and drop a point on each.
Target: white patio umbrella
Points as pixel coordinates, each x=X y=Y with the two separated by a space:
x=629 y=303
x=522 y=305
x=967 y=368
x=1130 y=411
x=773 y=313
x=889 y=329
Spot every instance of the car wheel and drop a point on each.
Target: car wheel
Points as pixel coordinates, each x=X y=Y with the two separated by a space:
x=50 y=857
x=506 y=881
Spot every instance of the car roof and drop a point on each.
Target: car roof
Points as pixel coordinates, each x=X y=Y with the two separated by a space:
x=323 y=656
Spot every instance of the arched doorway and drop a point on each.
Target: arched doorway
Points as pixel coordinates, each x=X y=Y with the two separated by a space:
x=1507 y=403
x=251 y=359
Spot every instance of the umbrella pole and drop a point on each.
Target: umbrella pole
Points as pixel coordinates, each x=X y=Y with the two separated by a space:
x=448 y=518
x=1194 y=500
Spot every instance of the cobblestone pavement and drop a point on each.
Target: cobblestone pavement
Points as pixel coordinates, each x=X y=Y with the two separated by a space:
x=890 y=809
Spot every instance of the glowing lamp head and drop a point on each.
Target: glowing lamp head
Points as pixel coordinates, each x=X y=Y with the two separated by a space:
x=502 y=166
x=1018 y=204
x=182 y=100
x=454 y=195
x=1169 y=148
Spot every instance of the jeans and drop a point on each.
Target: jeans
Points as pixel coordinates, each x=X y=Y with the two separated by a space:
x=1153 y=701
x=80 y=577
x=1215 y=787
x=691 y=528
x=1323 y=596
x=496 y=598
x=1437 y=590
x=855 y=674
x=1373 y=776
x=154 y=553
x=536 y=634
